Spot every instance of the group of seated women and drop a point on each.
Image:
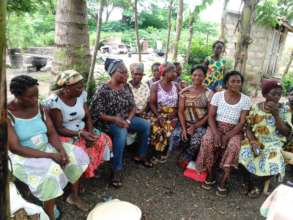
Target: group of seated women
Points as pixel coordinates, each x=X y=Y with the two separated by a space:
x=62 y=140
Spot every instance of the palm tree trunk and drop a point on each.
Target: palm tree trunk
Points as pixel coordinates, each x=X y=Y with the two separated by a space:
x=289 y=64
x=136 y=31
x=169 y=30
x=178 y=29
x=223 y=21
x=191 y=21
x=71 y=37
x=97 y=43
x=4 y=184
x=244 y=39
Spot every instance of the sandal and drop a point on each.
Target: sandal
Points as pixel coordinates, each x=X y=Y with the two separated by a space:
x=145 y=163
x=244 y=190
x=208 y=184
x=155 y=160
x=78 y=203
x=163 y=159
x=254 y=193
x=222 y=192
x=117 y=179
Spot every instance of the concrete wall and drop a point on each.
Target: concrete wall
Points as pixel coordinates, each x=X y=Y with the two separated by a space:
x=258 y=51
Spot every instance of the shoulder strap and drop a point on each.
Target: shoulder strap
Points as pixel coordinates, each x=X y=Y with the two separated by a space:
x=11 y=117
x=43 y=115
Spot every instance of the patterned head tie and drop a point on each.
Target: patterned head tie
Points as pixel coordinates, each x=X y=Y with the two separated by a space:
x=269 y=84
x=66 y=78
x=111 y=65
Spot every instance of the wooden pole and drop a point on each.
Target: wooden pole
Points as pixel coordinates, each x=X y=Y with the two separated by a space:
x=97 y=43
x=169 y=30
x=4 y=184
x=136 y=31
x=178 y=29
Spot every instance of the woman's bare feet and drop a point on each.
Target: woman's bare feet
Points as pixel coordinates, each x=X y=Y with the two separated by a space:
x=78 y=202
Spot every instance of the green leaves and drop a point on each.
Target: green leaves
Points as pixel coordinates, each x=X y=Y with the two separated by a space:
x=268 y=12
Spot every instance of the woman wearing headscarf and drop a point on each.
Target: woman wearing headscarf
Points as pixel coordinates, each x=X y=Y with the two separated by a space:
x=164 y=106
x=216 y=67
x=72 y=120
x=268 y=125
x=38 y=158
x=113 y=109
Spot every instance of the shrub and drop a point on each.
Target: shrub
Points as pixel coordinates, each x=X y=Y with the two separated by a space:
x=199 y=51
x=115 y=26
x=287 y=81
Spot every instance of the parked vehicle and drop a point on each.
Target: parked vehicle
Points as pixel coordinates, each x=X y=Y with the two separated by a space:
x=115 y=48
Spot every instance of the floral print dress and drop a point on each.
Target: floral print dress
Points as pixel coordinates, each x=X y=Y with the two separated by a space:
x=270 y=161
x=215 y=74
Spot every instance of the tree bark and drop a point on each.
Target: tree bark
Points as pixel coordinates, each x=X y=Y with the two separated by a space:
x=244 y=39
x=4 y=184
x=169 y=30
x=97 y=43
x=108 y=13
x=136 y=31
x=286 y=71
x=223 y=22
x=178 y=29
x=71 y=37
x=191 y=21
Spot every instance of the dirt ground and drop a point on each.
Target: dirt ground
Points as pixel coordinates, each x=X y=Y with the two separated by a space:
x=161 y=192
x=164 y=194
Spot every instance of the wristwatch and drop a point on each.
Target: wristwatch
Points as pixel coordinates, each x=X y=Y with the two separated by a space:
x=128 y=121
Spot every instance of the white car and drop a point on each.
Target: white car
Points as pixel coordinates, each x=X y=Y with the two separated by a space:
x=115 y=49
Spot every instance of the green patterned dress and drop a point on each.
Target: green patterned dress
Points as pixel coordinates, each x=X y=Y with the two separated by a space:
x=45 y=178
x=215 y=74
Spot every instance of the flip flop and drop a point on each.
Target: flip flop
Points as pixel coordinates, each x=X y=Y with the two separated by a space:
x=145 y=163
x=222 y=192
x=84 y=207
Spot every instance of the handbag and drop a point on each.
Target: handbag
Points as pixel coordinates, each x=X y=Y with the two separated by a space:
x=192 y=173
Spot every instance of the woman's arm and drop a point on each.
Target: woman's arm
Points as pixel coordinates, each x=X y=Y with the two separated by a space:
x=181 y=115
x=16 y=148
x=52 y=134
x=88 y=119
x=58 y=123
x=153 y=99
x=212 y=118
x=238 y=128
x=203 y=121
x=282 y=126
x=131 y=113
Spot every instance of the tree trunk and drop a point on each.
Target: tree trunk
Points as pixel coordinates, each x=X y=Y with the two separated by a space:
x=244 y=39
x=108 y=13
x=136 y=31
x=71 y=37
x=191 y=21
x=97 y=43
x=4 y=184
x=223 y=22
x=178 y=29
x=286 y=71
x=169 y=30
